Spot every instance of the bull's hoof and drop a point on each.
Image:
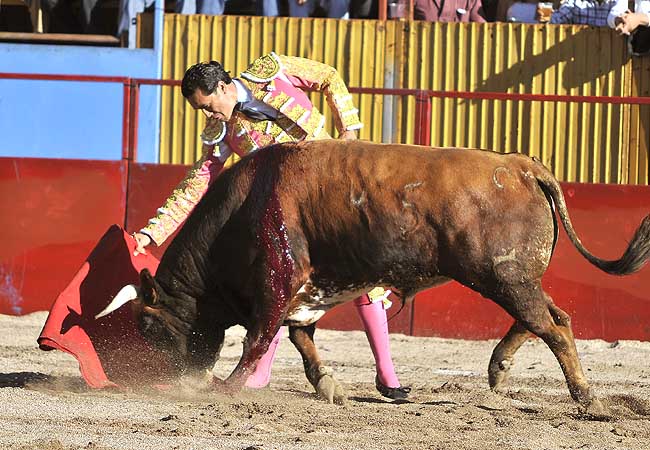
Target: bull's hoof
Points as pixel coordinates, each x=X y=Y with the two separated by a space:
x=199 y=381
x=224 y=386
x=595 y=410
x=498 y=373
x=330 y=389
x=217 y=382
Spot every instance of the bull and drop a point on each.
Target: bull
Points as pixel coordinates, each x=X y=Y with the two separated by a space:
x=295 y=229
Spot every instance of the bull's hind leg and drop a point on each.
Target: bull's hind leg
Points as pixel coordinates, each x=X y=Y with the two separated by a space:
x=318 y=375
x=563 y=346
x=535 y=309
x=503 y=355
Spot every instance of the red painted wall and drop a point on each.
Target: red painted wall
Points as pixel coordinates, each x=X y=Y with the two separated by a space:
x=54 y=211
x=149 y=187
x=601 y=305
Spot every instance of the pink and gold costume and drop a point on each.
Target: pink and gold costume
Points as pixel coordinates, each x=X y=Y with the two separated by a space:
x=278 y=81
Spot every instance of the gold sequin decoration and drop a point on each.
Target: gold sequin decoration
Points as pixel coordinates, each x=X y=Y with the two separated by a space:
x=263 y=69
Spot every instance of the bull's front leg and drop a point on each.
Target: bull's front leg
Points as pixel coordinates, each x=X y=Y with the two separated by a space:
x=318 y=375
x=273 y=279
x=270 y=310
x=257 y=342
x=204 y=348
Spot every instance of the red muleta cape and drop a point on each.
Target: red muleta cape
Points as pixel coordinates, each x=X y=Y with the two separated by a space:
x=111 y=351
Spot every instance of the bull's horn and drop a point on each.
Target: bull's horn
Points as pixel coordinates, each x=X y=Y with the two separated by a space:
x=126 y=294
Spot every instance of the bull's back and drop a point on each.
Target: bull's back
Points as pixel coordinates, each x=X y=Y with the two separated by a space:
x=375 y=206
x=357 y=174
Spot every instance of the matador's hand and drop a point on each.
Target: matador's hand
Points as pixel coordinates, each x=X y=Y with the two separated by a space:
x=142 y=240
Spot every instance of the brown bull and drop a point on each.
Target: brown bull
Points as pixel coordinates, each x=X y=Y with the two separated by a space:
x=295 y=229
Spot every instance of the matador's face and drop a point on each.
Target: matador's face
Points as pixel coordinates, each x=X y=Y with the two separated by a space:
x=220 y=104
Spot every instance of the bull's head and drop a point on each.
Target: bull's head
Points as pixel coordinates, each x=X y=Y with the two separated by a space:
x=159 y=326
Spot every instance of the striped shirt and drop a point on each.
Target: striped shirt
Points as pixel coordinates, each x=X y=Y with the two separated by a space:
x=583 y=12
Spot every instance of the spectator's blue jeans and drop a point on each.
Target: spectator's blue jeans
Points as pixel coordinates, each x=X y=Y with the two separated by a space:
x=337 y=9
x=211 y=7
x=217 y=7
x=268 y=8
x=126 y=20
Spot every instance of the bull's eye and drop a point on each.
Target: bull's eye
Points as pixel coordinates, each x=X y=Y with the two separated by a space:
x=149 y=298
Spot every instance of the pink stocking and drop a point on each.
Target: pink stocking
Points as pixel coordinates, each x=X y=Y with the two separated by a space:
x=375 y=322
x=262 y=375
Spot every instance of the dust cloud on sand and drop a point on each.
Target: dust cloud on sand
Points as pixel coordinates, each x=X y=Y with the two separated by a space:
x=45 y=404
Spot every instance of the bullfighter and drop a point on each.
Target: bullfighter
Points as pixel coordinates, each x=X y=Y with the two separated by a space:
x=267 y=105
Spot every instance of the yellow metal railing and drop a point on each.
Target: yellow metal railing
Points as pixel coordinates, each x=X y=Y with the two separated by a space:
x=580 y=142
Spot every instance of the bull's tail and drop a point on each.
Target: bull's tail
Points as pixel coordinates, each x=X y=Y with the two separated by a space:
x=637 y=252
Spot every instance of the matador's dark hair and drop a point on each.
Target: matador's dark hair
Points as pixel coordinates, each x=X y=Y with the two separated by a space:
x=204 y=76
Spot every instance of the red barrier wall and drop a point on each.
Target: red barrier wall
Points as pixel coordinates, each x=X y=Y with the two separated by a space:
x=54 y=211
x=149 y=187
x=601 y=305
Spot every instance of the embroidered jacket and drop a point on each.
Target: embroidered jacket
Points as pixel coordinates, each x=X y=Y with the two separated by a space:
x=279 y=82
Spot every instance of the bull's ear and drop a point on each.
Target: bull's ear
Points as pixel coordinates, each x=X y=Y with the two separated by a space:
x=148 y=291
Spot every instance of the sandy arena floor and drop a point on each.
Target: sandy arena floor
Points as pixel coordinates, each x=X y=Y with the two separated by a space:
x=46 y=404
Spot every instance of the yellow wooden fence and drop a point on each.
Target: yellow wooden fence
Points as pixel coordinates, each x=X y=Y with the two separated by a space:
x=579 y=142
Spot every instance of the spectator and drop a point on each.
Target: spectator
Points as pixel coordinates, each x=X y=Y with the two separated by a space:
x=626 y=22
x=208 y=7
x=336 y=9
x=490 y=8
x=363 y=9
x=635 y=24
x=66 y=16
x=582 y=12
x=218 y=7
x=449 y=11
x=516 y=11
x=129 y=9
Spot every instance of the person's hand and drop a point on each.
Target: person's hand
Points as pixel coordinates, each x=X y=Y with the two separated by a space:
x=635 y=20
x=543 y=12
x=301 y=2
x=627 y=22
x=142 y=240
x=620 y=23
x=348 y=135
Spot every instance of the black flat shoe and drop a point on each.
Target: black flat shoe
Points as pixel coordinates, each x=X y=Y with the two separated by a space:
x=395 y=393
